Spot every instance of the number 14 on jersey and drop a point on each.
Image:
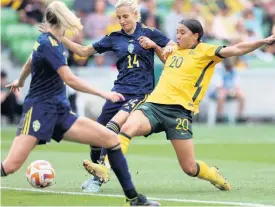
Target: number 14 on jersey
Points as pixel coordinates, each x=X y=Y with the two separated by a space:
x=132 y=61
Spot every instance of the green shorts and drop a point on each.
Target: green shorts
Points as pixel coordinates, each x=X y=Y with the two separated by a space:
x=175 y=120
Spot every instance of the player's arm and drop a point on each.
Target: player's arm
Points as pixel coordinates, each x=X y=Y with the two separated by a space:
x=163 y=53
x=147 y=43
x=159 y=41
x=245 y=47
x=80 y=50
x=25 y=72
x=80 y=85
x=159 y=51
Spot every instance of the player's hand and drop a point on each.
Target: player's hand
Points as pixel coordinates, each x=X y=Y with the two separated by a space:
x=15 y=85
x=43 y=27
x=147 y=43
x=114 y=96
x=270 y=40
x=167 y=51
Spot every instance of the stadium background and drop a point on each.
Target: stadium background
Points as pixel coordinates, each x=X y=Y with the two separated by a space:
x=247 y=148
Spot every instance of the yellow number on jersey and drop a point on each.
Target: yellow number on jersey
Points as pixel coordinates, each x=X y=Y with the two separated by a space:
x=183 y=124
x=132 y=61
x=176 y=62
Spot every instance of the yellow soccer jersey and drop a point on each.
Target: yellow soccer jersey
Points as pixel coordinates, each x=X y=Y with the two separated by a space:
x=186 y=76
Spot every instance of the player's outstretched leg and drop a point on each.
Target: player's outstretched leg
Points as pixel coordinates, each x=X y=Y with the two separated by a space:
x=20 y=149
x=185 y=152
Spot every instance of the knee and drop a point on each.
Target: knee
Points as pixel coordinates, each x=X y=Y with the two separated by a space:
x=129 y=128
x=112 y=141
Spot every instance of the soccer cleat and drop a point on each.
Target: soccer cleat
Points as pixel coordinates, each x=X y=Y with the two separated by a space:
x=86 y=183
x=220 y=182
x=93 y=187
x=98 y=170
x=141 y=200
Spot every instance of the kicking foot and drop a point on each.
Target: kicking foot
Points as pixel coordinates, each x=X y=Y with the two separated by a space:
x=98 y=170
x=220 y=181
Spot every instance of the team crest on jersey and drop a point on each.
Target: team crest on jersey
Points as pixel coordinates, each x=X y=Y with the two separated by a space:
x=192 y=52
x=36 y=125
x=131 y=48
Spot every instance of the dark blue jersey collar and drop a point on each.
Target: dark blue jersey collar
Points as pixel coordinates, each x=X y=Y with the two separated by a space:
x=138 y=28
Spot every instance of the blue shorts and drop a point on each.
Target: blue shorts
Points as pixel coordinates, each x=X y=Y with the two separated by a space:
x=110 y=109
x=38 y=121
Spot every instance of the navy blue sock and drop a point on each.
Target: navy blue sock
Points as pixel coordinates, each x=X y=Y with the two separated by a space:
x=103 y=154
x=113 y=126
x=120 y=167
x=95 y=153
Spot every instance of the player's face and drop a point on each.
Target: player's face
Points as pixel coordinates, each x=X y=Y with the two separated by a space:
x=185 y=38
x=126 y=17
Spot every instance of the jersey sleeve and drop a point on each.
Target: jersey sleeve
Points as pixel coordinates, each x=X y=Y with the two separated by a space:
x=212 y=51
x=103 y=45
x=53 y=56
x=159 y=38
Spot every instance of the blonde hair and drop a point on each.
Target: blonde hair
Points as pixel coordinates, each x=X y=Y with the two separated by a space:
x=57 y=13
x=133 y=4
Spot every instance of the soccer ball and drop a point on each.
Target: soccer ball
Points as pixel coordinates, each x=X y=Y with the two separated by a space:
x=40 y=174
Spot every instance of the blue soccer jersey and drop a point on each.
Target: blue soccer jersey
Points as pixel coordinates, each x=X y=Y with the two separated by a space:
x=135 y=64
x=46 y=110
x=46 y=85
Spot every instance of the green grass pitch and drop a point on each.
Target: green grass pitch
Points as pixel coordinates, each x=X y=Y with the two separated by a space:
x=244 y=154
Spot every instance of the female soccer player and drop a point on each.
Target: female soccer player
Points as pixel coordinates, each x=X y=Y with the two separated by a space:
x=182 y=85
x=136 y=71
x=46 y=109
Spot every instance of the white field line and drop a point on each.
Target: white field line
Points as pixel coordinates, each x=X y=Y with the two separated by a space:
x=157 y=199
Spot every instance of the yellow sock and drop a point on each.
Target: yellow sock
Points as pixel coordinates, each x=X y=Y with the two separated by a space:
x=206 y=173
x=124 y=142
x=106 y=160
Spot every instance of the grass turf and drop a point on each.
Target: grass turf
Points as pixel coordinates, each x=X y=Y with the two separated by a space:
x=244 y=154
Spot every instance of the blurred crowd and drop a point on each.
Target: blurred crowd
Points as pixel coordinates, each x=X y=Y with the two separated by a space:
x=224 y=21
x=11 y=106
